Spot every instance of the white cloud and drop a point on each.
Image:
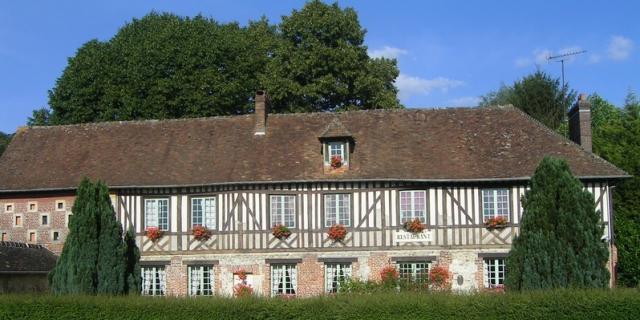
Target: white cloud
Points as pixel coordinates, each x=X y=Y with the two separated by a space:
x=387 y=52
x=594 y=58
x=619 y=48
x=410 y=86
x=464 y=102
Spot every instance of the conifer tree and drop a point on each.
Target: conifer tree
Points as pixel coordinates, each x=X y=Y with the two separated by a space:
x=559 y=245
x=133 y=281
x=111 y=260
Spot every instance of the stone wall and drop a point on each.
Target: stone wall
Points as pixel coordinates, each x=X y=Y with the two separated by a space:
x=24 y=283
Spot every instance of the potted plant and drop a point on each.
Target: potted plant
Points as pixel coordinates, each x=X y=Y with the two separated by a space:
x=414 y=226
x=201 y=233
x=337 y=232
x=242 y=289
x=153 y=233
x=497 y=222
x=280 y=231
x=439 y=277
x=336 y=161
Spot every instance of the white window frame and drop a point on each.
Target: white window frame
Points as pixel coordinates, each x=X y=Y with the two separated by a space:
x=343 y=151
x=493 y=275
x=285 y=275
x=201 y=280
x=338 y=217
x=48 y=219
x=278 y=206
x=9 y=205
x=491 y=207
x=208 y=212
x=334 y=274
x=35 y=236
x=414 y=271
x=4 y=233
x=64 y=205
x=152 y=217
x=34 y=204
x=154 y=280
x=53 y=239
x=15 y=225
x=409 y=214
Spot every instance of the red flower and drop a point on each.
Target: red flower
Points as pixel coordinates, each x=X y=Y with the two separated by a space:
x=242 y=274
x=336 y=161
x=242 y=290
x=337 y=232
x=389 y=274
x=201 y=233
x=280 y=231
x=415 y=226
x=154 y=233
x=439 y=277
x=496 y=222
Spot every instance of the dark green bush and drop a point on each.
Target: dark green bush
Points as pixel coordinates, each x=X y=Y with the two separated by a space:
x=593 y=304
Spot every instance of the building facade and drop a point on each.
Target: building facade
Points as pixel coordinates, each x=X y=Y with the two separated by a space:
x=371 y=171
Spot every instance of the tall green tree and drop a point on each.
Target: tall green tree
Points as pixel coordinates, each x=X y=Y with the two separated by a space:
x=93 y=258
x=4 y=141
x=133 y=283
x=537 y=94
x=560 y=244
x=40 y=117
x=321 y=64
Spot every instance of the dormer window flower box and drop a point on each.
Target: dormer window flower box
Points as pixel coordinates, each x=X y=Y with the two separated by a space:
x=281 y=232
x=497 y=222
x=337 y=144
x=336 y=161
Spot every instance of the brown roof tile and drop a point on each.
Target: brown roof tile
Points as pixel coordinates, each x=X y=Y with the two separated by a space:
x=414 y=144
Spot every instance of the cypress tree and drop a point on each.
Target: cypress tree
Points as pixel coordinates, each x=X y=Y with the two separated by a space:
x=133 y=281
x=559 y=245
x=111 y=260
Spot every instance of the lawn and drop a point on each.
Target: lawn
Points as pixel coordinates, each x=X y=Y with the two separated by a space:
x=565 y=304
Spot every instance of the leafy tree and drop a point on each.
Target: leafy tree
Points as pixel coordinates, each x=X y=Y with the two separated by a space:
x=559 y=245
x=322 y=64
x=4 y=141
x=133 y=283
x=537 y=94
x=40 y=117
x=93 y=257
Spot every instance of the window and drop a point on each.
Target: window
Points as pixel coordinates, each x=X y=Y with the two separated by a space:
x=494 y=271
x=17 y=220
x=44 y=219
x=153 y=281
x=32 y=206
x=284 y=279
x=32 y=236
x=337 y=209
x=203 y=212
x=335 y=274
x=413 y=205
x=68 y=218
x=338 y=148
x=5 y=237
x=283 y=211
x=8 y=207
x=56 y=236
x=156 y=213
x=60 y=205
x=201 y=281
x=416 y=272
x=495 y=203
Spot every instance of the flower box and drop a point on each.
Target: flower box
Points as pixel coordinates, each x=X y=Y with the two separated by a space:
x=281 y=232
x=497 y=222
x=153 y=233
x=337 y=232
x=414 y=226
x=336 y=162
x=201 y=233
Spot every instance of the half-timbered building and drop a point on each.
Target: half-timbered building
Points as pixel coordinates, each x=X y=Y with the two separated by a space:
x=241 y=175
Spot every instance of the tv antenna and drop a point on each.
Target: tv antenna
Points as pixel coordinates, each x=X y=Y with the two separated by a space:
x=562 y=57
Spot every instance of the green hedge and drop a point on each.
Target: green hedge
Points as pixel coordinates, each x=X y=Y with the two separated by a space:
x=618 y=304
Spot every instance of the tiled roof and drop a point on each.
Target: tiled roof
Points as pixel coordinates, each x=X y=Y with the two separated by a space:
x=412 y=144
x=17 y=257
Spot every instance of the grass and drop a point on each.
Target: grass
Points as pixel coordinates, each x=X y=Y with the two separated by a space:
x=563 y=304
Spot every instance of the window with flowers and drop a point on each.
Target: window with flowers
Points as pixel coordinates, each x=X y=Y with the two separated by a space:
x=494 y=272
x=201 y=280
x=413 y=204
x=203 y=212
x=495 y=203
x=156 y=213
x=337 y=209
x=283 y=210
x=153 y=281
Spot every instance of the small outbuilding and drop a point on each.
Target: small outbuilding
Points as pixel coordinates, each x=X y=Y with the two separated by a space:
x=24 y=267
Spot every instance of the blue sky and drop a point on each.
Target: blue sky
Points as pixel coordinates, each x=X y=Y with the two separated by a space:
x=449 y=52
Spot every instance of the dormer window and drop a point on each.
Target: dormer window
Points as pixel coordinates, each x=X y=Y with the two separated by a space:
x=337 y=143
x=336 y=154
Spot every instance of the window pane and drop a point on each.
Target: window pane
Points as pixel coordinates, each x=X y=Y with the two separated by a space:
x=283 y=279
x=153 y=281
x=203 y=212
x=495 y=202
x=494 y=272
x=201 y=282
x=283 y=210
x=196 y=212
x=336 y=273
x=416 y=272
x=413 y=204
x=337 y=209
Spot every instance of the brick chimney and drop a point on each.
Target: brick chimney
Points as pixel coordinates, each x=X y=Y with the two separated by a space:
x=580 y=122
x=261 y=110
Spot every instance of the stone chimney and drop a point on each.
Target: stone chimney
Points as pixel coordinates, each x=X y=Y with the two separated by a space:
x=580 y=122
x=261 y=110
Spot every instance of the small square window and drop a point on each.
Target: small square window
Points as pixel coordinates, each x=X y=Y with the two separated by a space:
x=32 y=236
x=32 y=206
x=17 y=220
x=5 y=236
x=44 y=219
x=60 y=205
x=8 y=208
x=56 y=236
